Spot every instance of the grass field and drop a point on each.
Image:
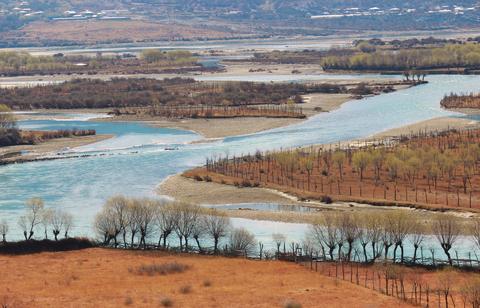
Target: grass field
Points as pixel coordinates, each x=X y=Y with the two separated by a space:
x=113 y=278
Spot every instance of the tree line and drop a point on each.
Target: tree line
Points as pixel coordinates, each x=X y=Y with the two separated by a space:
x=363 y=237
x=454 y=100
x=366 y=237
x=152 y=61
x=40 y=221
x=448 y=56
x=11 y=135
x=139 y=223
x=121 y=92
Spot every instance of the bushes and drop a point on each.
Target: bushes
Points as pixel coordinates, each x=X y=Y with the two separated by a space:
x=33 y=246
x=186 y=289
x=292 y=304
x=10 y=137
x=161 y=269
x=466 y=55
x=326 y=200
x=166 y=302
x=156 y=95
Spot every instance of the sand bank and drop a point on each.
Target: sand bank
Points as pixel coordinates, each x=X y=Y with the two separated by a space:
x=34 y=152
x=192 y=191
x=437 y=124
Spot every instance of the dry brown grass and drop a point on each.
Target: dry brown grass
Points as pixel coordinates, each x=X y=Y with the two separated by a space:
x=160 y=269
x=104 y=281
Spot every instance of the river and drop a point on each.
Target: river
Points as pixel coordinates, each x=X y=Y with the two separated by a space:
x=139 y=157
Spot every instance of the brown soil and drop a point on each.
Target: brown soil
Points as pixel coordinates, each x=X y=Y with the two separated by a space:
x=107 y=278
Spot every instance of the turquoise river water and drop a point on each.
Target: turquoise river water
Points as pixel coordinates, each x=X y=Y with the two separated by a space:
x=139 y=157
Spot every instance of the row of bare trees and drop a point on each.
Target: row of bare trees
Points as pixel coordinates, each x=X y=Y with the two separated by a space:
x=40 y=220
x=422 y=169
x=140 y=223
x=373 y=235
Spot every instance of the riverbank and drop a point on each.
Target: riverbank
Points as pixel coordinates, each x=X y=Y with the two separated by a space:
x=220 y=128
x=201 y=192
x=436 y=124
x=226 y=127
x=26 y=153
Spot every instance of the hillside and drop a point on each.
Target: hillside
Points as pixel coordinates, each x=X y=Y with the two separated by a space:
x=308 y=17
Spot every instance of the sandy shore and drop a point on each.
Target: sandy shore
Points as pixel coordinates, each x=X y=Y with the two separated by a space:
x=220 y=128
x=192 y=191
x=439 y=124
x=188 y=190
x=33 y=152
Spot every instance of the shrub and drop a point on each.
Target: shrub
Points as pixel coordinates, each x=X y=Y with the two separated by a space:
x=33 y=246
x=207 y=178
x=128 y=301
x=246 y=183
x=166 y=302
x=161 y=269
x=197 y=178
x=185 y=289
x=292 y=304
x=326 y=199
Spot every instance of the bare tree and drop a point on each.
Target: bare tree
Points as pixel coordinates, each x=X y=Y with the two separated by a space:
x=105 y=227
x=167 y=218
x=147 y=214
x=475 y=231
x=199 y=230
x=374 y=230
x=242 y=241
x=339 y=158
x=133 y=220
x=32 y=218
x=472 y=292
x=401 y=225
x=4 y=230
x=67 y=223
x=445 y=283
x=386 y=236
x=59 y=221
x=118 y=207
x=278 y=239
x=361 y=160
x=418 y=235
x=187 y=219
x=446 y=229
x=325 y=232
x=217 y=225
x=349 y=230
x=45 y=220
